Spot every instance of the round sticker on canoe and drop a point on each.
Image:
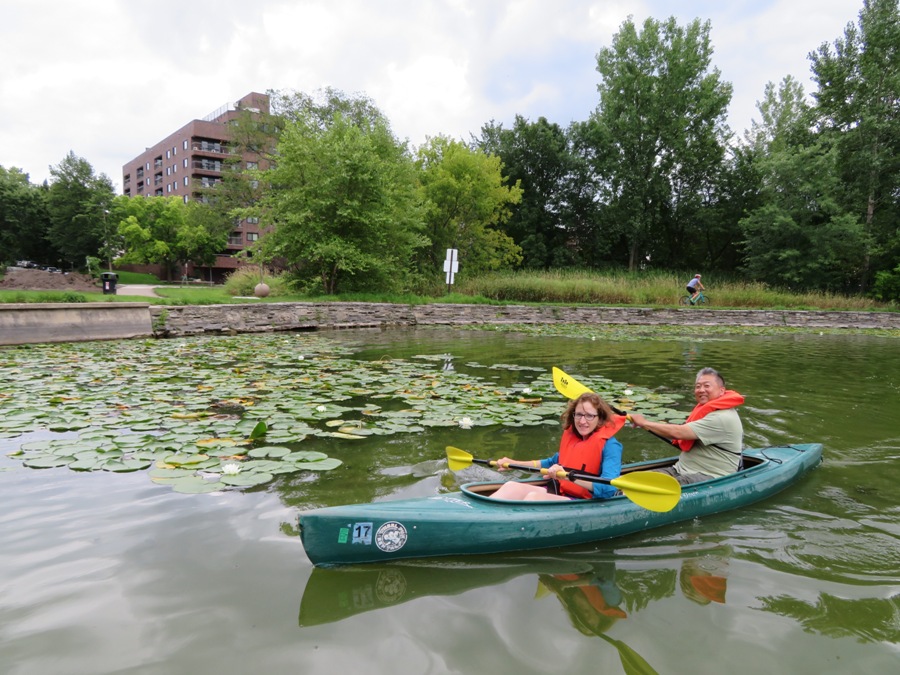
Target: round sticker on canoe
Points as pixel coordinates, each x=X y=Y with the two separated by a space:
x=390 y=537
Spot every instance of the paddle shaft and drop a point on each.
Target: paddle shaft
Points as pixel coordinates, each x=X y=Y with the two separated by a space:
x=568 y=475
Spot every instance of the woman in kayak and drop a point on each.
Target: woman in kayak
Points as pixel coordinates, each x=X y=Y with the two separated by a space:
x=588 y=445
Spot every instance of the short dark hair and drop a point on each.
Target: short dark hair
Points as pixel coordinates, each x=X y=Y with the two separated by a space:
x=713 y=372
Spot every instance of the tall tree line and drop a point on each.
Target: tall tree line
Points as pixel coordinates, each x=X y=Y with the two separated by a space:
x=808 y=198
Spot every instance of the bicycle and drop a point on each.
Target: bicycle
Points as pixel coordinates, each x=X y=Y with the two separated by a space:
x=700 y=299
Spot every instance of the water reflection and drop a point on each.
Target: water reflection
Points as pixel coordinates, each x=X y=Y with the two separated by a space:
x=595 y=593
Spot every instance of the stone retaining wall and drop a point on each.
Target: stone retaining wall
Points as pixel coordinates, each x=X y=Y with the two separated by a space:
x=31 y=323
x=224 y=319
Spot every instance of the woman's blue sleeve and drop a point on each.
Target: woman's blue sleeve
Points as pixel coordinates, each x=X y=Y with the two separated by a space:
x=610 y=467
x=550 y=461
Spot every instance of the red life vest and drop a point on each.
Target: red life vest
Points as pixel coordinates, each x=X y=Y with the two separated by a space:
x=730 y=399
x=585 y=454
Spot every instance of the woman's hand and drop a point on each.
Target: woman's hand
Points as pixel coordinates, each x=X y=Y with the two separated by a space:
x=501 y=463
x=554 y=470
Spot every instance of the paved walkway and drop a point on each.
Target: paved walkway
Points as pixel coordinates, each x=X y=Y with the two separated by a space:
x=136 y=289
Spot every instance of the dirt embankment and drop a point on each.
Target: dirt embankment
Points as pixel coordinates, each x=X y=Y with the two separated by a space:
x=19 y=279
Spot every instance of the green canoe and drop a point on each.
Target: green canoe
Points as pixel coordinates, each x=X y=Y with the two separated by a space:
x=470 y=522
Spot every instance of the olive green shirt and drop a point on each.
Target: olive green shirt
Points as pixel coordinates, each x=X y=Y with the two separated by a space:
x=721 y=428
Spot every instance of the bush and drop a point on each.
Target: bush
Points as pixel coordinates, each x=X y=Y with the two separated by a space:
x=887 y=285
x=242 y=281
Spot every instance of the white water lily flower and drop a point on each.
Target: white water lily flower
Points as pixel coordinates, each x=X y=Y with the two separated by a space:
x=628 y=392
x=466 y=423
x=526 y=390
x=320 y=408
x=231 y=469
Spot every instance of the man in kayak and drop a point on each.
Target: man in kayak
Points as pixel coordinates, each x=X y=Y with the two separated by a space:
x=711 y=439
x=588 y=445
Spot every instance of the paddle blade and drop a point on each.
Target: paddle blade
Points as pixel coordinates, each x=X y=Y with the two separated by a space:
x=567 y=385
x=458 y=459
x=649 y=489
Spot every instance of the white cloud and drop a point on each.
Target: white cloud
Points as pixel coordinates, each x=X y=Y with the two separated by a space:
x=106 y=78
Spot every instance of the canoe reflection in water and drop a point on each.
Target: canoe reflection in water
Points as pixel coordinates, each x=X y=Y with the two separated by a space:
x=591 y=599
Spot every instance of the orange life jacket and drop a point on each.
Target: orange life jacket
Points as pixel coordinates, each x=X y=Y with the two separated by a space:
x=730 y=399
x=585 y=454
x=595 y=597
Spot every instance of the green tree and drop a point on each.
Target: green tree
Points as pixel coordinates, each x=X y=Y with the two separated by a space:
x=857 y=106
x=466 y=201
x=342 y=201
x=801 y=238
x=166 y=231
x=23 y=219
x=660 y=134
x=77 y=204
x=555 y=221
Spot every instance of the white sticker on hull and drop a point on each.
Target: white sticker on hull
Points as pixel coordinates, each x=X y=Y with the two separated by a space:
x=391 y=536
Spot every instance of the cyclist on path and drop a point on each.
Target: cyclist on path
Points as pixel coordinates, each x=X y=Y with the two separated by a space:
x=693 y=287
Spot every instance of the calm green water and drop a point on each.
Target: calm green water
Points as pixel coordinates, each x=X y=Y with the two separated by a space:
x=109 y=573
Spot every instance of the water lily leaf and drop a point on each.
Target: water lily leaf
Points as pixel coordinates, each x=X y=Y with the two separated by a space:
x=47 y=462
x=86 y=464
x=259 y=430
x=322 y=465
x=248 y=479
x=165 y=475
x=355 y=431
x=178 y=460
x=125 y=465
x=305 y=455
x=269 y=451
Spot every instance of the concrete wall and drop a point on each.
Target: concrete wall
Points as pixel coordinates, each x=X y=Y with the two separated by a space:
x=72 y=322
x=223 y=319
x=29 y=323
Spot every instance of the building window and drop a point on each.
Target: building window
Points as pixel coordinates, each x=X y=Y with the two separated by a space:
x=252 y=236
x=234 y=239
x=168 y=154
x=185 y=181
x=184 y=162
x=168 y=170
x=253 y=220
x=184 y=147
x=148 y=166
x=168 y=188
x=185 y=198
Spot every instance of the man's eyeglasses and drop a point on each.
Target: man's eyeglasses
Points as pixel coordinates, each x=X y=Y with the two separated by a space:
x=585 y=416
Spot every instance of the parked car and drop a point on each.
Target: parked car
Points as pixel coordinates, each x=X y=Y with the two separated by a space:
x=54 y=269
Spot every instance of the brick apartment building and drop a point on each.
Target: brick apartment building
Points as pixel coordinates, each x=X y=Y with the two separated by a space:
x=186 y=162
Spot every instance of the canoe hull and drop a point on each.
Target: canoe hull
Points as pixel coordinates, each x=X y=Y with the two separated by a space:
x=462 y=523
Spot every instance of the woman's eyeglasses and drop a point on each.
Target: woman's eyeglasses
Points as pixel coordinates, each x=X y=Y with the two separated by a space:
x=585 y=416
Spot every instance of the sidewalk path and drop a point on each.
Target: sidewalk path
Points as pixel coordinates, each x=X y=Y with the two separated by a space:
x=137 y=289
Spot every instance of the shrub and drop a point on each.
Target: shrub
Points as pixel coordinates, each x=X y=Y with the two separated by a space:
x=242 y=281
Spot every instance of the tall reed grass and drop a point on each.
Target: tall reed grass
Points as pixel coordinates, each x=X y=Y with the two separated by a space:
x=650 y=289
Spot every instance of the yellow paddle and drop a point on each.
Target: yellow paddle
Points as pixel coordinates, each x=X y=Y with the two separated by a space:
x=571 y=388
x=648 y=489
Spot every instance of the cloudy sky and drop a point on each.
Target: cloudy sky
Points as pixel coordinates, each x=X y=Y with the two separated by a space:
x=107 y=78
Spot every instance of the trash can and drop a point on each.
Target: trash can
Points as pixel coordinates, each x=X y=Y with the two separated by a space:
x=108 y=280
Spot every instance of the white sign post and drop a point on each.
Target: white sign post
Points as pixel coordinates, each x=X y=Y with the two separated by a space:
x=451 y=265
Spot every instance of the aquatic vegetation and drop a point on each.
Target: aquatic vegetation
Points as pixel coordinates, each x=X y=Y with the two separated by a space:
x=191 y=410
